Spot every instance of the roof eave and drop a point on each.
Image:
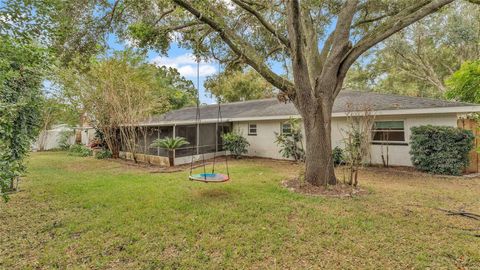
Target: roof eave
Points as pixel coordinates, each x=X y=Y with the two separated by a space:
x=442 y=110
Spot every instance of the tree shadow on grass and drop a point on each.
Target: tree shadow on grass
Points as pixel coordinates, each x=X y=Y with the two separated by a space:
x=212 y=193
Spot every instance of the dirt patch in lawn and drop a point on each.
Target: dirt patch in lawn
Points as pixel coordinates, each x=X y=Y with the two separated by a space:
x=340 y=190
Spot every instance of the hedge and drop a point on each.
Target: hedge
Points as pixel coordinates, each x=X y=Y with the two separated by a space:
x=440 y=149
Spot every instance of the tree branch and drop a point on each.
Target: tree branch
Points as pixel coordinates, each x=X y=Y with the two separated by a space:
x=163 y=15
x=390 y=27
x=264 y=22
x=238 y=46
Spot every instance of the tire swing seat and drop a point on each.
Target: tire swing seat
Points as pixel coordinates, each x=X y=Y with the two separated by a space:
x=209 y=177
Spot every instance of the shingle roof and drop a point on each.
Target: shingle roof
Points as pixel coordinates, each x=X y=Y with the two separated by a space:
x=273 y=107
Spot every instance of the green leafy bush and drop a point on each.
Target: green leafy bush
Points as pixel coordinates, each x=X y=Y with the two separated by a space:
x=103 y=154
x=440 y=149
x=291 y=145
x=338 y=157
x=80 y=150
x=235 y=143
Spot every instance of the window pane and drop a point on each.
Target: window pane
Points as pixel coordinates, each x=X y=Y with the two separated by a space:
x=286 y=128
x=397 y=125
x=397 y=136
x=252 y=129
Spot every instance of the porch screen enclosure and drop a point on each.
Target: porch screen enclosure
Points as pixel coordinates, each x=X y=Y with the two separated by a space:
x=207 y=139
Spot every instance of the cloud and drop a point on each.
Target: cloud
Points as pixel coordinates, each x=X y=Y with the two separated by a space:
x=186 y=65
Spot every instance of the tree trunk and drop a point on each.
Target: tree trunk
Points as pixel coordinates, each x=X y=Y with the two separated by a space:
x=171 y=158
x=319 y=169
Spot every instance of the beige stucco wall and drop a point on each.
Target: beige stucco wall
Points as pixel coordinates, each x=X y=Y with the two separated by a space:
x=263 y=144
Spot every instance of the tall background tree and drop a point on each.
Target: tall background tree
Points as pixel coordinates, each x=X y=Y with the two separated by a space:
x=118 y=92
x=417 y=60
x=238 y=85
x=320 y=40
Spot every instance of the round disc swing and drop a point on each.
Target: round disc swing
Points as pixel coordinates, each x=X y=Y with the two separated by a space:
x=210 y=177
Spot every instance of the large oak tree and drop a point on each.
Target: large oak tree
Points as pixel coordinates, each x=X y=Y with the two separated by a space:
x=318 y=40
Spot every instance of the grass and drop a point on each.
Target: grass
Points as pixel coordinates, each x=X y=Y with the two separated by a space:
x=79 y=213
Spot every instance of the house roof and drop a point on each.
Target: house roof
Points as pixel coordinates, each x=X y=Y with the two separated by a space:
x=386 y=104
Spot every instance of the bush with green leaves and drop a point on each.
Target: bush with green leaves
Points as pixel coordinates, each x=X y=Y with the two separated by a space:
x=103 y=154
x=338 y=157
x=291 y=144
x=235 y=143
x=79 y=150
x=22 y=68
x=441 y=149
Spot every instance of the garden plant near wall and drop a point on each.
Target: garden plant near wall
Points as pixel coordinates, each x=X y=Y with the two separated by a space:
x=441 y=149
x=235 y=143
x=291 y=143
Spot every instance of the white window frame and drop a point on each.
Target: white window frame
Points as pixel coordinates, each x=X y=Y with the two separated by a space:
x=385 y=130
x=250 y=133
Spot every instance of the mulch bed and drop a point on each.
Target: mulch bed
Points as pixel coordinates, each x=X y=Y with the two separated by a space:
x=339 y=191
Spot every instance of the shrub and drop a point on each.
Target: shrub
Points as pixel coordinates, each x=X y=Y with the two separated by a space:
x=170 y=144
x=338 y=157
x=235 y=143
x=291 y=145
x=79 y=150
x=103 y=154
x=440 y=149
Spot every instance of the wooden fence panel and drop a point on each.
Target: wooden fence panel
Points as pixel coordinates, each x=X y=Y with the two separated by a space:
x=470 y=124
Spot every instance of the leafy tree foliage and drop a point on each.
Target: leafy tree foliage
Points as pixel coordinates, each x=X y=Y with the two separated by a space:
x=21 y=73
x=417 y=60
x=238 y=85
x=464 y=84
x=441 y=150
x=117 y=93
x=179 y=91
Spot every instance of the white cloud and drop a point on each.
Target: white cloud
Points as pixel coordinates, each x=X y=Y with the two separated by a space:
x=186 y=65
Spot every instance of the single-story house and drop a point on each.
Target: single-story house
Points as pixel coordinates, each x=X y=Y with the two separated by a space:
x=259 y=120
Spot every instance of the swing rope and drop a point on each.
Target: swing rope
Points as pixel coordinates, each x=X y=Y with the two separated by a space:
x=215 y=177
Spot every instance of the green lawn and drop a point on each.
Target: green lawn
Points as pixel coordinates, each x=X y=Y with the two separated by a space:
x=85 y=213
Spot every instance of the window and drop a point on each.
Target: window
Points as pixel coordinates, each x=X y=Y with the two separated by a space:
x=388 y=131
x=286 y=128
x=252 y=129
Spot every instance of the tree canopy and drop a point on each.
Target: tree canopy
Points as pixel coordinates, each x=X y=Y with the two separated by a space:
x=464 y=84
x=418 y=59
x=238 y=85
